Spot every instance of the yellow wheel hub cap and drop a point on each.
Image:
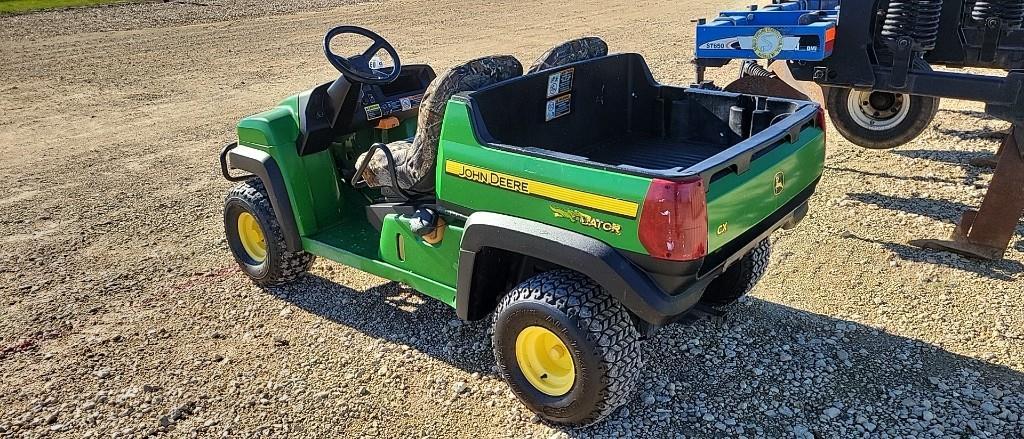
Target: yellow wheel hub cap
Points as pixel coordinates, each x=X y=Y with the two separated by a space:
x=545 y=361
x=251 y=235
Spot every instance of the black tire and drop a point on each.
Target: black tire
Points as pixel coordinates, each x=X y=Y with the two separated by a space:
x=741 y=277
x=280 y=265
x=922 y=110
x=594 y=327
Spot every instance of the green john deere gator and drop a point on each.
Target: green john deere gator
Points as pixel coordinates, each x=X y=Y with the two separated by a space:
x=581 y=205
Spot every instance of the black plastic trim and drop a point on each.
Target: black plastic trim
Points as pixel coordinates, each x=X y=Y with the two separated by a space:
x=224 y=164
x=589 y=256
x=263 y=166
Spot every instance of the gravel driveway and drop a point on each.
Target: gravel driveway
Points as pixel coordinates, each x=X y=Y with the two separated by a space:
x=122 y=315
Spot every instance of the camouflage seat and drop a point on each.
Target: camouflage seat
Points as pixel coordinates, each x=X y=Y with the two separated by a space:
x=571 y=51
x=416 y=160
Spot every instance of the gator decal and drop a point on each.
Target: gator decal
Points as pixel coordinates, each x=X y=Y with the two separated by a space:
x=540 y=189
x=587 y=220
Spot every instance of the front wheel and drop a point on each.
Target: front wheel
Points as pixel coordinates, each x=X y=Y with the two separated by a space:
x=255 y=237
x=569 y=351
x=879 y=120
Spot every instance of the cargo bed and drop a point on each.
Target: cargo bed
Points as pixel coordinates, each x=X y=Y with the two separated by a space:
x=649 y=152
x=611 y=113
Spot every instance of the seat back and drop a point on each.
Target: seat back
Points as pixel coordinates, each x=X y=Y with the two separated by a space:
x=473 y=75
x=580 y=49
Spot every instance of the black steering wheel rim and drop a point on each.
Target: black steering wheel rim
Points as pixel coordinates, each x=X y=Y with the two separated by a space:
x=357 y=68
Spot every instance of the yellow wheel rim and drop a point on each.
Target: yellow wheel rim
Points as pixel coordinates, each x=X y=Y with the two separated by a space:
x=251 y=235
x=545 y=361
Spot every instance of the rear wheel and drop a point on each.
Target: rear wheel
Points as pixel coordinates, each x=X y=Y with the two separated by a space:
x=879 y=120
x=741 y=277
x=569 y=351
x=255 y=237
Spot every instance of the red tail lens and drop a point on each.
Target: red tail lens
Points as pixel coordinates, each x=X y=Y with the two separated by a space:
x=674 y=220
x=820 y=120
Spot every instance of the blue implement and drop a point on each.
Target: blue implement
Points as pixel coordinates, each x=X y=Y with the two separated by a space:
x=782 y=31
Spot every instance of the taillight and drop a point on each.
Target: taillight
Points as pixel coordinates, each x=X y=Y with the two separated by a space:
x=820 y=119
x=674 y=220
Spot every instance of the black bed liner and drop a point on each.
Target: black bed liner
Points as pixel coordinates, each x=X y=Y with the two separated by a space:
x=622 y=120
x=650 y=152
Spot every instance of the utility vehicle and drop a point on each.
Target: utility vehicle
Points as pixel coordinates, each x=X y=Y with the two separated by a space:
x=581 y=205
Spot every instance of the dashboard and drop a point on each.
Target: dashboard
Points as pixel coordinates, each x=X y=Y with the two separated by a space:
x=400 y=99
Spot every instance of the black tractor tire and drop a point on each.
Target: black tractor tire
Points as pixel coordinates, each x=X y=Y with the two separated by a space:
x=921 y=112
x=594 y=327
x=280 y=265
x=739 y=279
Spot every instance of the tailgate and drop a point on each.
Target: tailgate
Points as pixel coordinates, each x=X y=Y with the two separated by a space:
x=755 y=178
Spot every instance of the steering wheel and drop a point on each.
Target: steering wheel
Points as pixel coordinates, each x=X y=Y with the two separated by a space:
x=357 y=68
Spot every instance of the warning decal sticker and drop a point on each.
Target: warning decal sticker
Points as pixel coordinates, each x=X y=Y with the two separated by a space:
x=558 y=107
x=377 y=111
x=560 y=82
x=373 y=112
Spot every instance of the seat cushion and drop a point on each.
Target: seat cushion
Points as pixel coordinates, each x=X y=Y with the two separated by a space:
x=416 y=162
x=377 y=173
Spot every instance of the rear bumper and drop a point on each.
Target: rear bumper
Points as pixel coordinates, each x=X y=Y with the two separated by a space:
x=680 y=286
x=656 y=291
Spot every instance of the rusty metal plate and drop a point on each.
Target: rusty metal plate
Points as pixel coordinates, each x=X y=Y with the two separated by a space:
x=762 y=86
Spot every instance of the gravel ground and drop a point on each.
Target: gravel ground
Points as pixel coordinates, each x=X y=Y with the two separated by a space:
x=122 y=315
x=152 y=14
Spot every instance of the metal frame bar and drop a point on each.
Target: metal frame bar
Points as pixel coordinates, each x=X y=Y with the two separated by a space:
x=859 y=61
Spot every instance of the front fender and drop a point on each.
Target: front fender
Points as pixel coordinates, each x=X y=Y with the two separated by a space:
x=263 y=166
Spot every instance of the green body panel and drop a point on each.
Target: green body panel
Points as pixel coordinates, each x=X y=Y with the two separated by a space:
x=330 y=215
x=311 y=180
x=738 y=202
x=459 y=144
x=320 y=247
x=331 y=219
x=439 y=262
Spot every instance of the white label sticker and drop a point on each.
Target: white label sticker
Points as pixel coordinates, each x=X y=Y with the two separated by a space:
x=560 y=82
x=558 y=107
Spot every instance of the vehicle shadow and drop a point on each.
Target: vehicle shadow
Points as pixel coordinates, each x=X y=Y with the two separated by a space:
x=766 y=369
x=920 y=178
x=983 y=133
x=973 y=113
x=941 y=210
x=397 y=314
x=964 y=159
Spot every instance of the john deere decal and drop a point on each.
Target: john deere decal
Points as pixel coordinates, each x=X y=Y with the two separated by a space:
x=780 y=182
x=587 y=220
x=536 y=188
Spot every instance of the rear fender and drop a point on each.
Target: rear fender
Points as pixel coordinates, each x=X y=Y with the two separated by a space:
x=591 y=257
